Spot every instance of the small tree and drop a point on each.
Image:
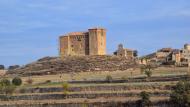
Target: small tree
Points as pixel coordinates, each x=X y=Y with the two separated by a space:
x=180 y=96
x=148 y=73
x=109 y=78
x=17 y=81
x=6 y=87
x=145 y=99
x=2 y=67
x=5 y=82
x=147 y=70
x=65 y=88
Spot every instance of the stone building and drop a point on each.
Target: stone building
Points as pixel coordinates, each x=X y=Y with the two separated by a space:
x=176 y=56
x=184 y=55
x=124 y=52
x=169 y=56
x=163 y=55
x=92 y=42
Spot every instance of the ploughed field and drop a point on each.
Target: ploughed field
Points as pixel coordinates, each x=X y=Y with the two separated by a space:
x=93 y=89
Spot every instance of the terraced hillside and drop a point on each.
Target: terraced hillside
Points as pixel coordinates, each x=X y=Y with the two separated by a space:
x=88 y=95
x=55 y=65
x=96 y=90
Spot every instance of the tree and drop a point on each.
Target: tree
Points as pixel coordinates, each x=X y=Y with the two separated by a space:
x=17 y=81
x=109 y=78
x=65 y=88
x=12 y=67
x=2 y=67
x=6 y=87
x=148 y=73
x=145 y=99
x=180 y=96
x=5 y=82
x=147 y=70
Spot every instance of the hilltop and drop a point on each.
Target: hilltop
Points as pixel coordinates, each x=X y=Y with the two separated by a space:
x=56 y=65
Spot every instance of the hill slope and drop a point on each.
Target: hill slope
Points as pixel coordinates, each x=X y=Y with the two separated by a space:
x=55 y=65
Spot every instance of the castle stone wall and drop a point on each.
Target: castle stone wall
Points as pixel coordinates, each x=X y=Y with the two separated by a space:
x=92 y=42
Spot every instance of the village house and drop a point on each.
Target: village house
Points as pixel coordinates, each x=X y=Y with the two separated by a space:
x=124 y=52
x=169 y=56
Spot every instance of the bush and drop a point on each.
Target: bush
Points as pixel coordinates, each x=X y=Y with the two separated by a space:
x=147 y=70
x=65 y=88
x=180 y=96
x=145 y=96
x=48 y=81
x=109 y=78
x=6 y=87
x=145 y=99
x=5 y=82
x=148 y=73
x=17 y=81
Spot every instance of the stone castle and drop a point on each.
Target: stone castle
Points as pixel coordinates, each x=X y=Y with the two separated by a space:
x=92 y=42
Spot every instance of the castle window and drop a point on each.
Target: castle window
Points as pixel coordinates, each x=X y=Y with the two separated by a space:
x=102 y=33
x=79 y=38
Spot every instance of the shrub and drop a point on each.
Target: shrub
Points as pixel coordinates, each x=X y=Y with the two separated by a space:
x=5 y=82
x=109 y=78
x=145 y=96
x=65 y=88
x=180 y=96
x=48 y=81
x=17 y=81
x=148 y=73
x=147 y=70
x=6 y=87
x=145 y=99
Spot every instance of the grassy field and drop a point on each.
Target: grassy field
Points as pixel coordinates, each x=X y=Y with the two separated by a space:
x=98 y=91
x=162 y=71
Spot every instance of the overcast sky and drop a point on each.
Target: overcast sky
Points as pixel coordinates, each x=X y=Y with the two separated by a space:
x=29 y=29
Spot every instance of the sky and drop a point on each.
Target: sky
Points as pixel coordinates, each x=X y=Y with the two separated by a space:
x=29 y=29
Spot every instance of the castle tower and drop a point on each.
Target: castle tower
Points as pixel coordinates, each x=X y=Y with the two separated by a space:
x=97 y=41
x=187 y=46
x=64 y=48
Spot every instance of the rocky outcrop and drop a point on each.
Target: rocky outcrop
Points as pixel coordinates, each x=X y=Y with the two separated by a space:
x=55 y=65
